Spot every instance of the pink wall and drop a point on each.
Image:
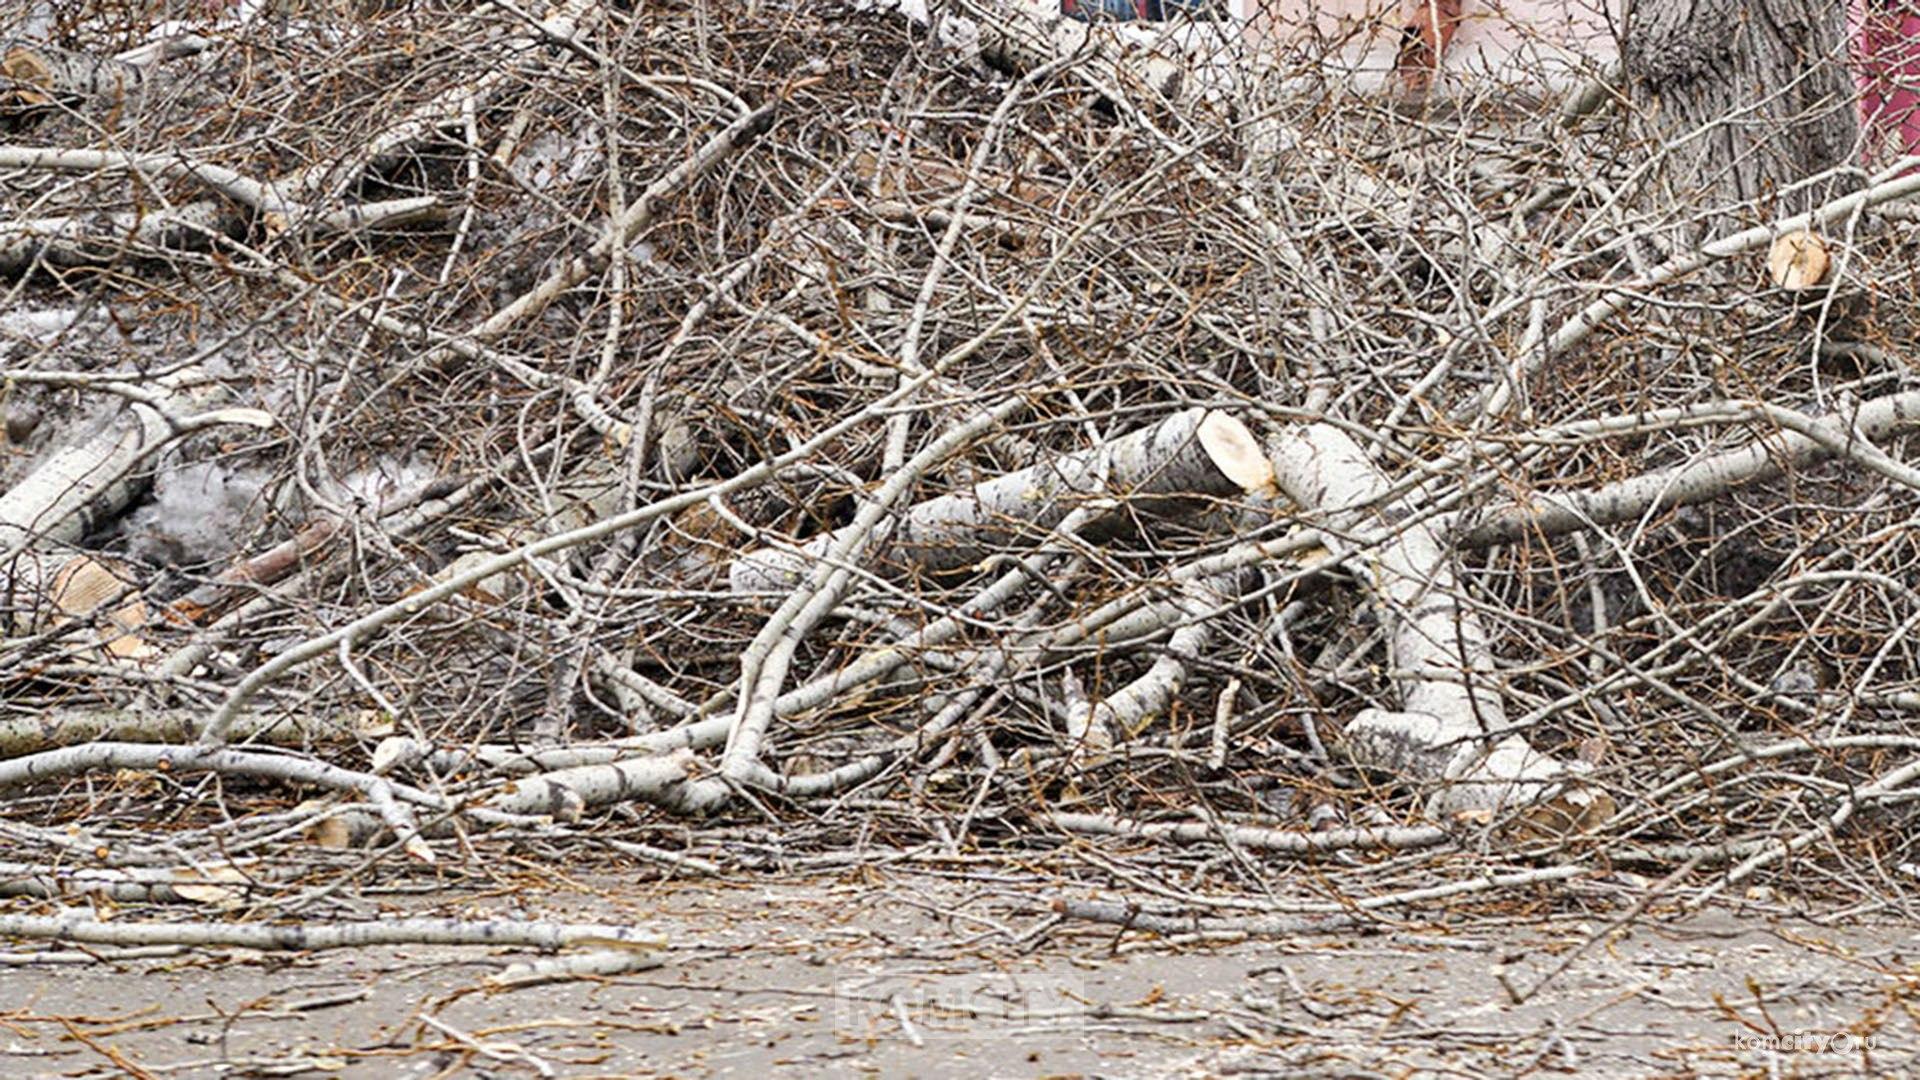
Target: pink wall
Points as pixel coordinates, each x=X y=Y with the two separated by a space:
x=1886 y=44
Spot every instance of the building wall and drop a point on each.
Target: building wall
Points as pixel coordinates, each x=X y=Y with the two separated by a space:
x=1886 y=48
x=1537 y=44
x=1543 y=45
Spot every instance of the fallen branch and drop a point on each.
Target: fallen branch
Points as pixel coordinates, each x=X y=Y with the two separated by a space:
x=1900 y=181
x=1283 y=841
x=1193 y=455
x=302 y=937
x=1167 y=920
x=1555 y=513
x=22 y=735
x=134 y=885
x=90 y=238
x=1091 y=725
x=1452 y=727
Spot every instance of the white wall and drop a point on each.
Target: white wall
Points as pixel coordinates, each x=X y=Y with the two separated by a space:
x=1527 y=43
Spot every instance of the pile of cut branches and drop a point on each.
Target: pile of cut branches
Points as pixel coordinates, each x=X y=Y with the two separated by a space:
x=681 y=424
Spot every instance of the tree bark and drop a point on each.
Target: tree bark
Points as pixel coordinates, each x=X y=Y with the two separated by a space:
x=1747 y=96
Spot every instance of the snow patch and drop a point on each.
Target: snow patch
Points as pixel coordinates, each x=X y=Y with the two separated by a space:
x=379 y=483
x=38 y=327
x=950 y=31
x=200 y=512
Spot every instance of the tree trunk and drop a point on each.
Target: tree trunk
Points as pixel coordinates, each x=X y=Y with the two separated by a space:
x=1748 y=96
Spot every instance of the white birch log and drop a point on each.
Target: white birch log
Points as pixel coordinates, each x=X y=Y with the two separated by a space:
x=86 y=238
x=89 y=239
x=268 y=198
x=133 y=885
x=40 y=75
x=1550 y=514
x=565 y=794
x=1199 y=453
x=79 y=486
x=1284 y=841
x=20 y=735
x=73 y=925
x=1451 y=728
x=86 y=482
x=1092 y=725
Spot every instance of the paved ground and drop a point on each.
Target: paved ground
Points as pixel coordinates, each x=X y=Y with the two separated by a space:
x=930 y=977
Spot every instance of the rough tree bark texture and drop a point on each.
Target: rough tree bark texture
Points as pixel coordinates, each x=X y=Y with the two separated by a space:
x=1748 y=96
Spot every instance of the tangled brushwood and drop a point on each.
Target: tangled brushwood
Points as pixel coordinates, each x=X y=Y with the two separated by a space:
x=770 y=436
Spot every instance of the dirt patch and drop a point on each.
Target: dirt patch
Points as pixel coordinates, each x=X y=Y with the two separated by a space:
x=917 y=976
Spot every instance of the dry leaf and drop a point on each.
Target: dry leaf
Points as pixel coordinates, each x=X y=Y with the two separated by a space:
x=330 y=833
x=203 y=885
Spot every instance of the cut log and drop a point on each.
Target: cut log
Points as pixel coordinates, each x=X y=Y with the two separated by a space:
x=1452 y=730
x=48 y=590
x=1798 y=261
x=78 y=487
x=86 y=482
x=1196 y=454
x=40 y=75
